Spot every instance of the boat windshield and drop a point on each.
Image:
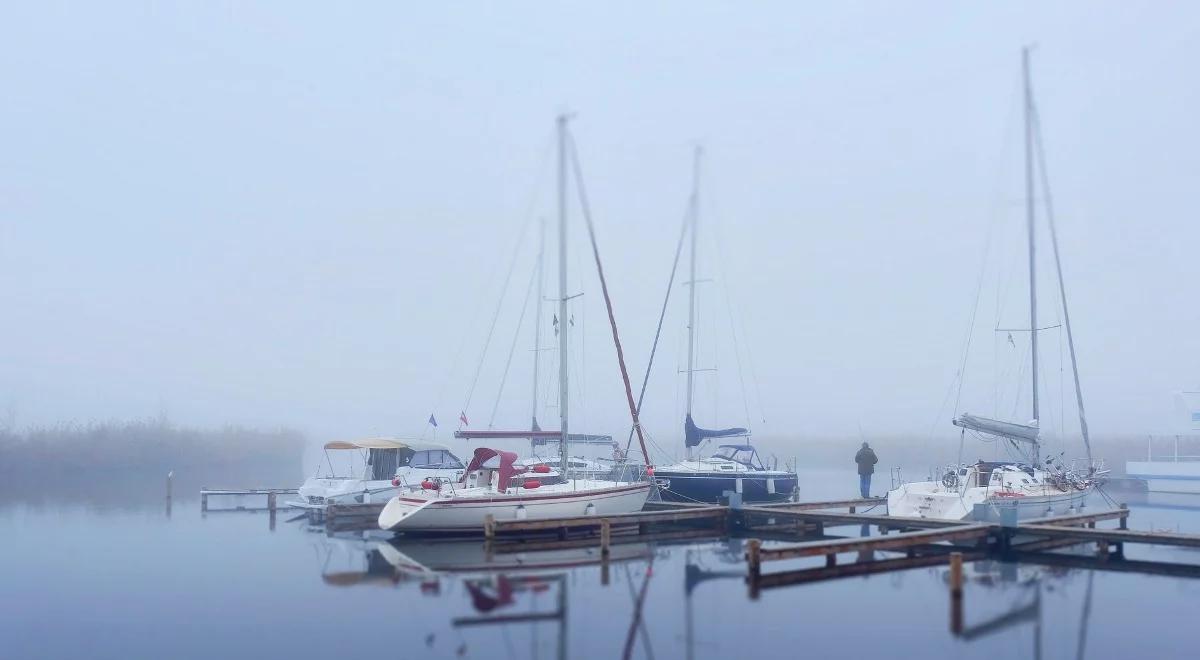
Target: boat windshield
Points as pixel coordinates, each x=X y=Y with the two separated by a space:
x=743 y=454
x=433 y=459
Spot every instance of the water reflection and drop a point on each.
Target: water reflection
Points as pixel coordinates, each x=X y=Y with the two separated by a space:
x=1020 y=588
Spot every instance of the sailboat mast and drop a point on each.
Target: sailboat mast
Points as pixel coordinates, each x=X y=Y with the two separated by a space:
x=537 y=323
x=691 y=357
x=1029 y=219
x=563 y=391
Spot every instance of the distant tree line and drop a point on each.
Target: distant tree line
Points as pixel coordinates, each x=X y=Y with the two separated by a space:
x=153 y=444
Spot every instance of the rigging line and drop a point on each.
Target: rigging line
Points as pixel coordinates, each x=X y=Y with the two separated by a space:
x=1062 y=287
x=662 y=314
x=713 y=202
x=737 y=355
x=966 y=350
x=496 y=314
x=737 y=350
x=541 y=169
x=612 y=321
x=513 y=348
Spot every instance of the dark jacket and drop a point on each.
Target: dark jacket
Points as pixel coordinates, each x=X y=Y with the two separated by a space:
x=866 y=460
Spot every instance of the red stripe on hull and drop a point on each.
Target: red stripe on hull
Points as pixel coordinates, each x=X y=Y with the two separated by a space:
x=525 y=498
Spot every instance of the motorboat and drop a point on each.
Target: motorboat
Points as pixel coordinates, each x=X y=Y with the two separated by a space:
x=379 y=468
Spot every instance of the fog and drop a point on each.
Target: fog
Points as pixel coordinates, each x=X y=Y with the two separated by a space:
x=301 y=214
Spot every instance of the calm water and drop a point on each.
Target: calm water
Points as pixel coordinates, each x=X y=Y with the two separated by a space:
x=124 y=580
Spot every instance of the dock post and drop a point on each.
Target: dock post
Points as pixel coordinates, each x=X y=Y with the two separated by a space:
x=956 y=593
x=853 y=509
x=605 y=537
x=203 y=502
x=830 y=560
x=170 y=478
x=489 y=527
x=271 y=509
x=1102 y=549
x=1125 y=518
x=754 y=561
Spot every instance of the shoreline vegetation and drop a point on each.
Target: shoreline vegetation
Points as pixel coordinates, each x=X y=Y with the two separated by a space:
x=143 y=445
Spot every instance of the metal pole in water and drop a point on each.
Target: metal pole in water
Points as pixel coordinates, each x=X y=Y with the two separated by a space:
x=563 y=355
x=170 y=478
x=1029 y=219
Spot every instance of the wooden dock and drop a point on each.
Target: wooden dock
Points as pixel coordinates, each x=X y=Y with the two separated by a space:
x=797 y=530
x=272 y=495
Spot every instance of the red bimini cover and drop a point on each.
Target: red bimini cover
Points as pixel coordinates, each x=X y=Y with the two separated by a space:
x=506 y=470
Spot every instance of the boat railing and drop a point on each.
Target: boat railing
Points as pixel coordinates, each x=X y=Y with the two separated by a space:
x=1174 y=456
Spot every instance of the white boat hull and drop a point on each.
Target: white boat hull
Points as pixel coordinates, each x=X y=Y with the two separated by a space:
x=929 y=499
x=318 y=492
x=466 y=510
x=1166 y=476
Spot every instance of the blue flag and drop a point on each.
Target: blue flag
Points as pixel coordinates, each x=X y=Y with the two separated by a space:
x=432 y=421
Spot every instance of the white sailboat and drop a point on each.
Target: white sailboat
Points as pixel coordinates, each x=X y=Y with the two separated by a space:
x=494 y=484
x=735 y=467
x=1025 y=488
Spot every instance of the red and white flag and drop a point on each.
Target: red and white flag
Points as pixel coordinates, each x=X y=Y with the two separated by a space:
x=462 y=417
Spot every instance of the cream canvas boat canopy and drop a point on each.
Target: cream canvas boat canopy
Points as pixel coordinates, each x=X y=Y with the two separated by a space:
x=384 y=443
x=368 y=443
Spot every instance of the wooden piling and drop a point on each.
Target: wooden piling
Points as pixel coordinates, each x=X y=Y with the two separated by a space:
x=956 y=573
x=753 y=554
x=203 y=503
x=489 y=527
x=605 y=537
x=956 y=593
x=753 y=551
x=1124 y=520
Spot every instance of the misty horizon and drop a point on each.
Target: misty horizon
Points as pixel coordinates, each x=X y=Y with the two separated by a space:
x=219 y=215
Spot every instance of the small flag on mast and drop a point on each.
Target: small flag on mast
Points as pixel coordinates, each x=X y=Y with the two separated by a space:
x=1010 y=340
x=432 y=420
x=462 y=417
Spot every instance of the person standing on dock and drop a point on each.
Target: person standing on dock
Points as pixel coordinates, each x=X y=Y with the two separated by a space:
x=866 y=460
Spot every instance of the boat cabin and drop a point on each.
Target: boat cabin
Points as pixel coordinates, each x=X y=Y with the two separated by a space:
x=382 y=458
x=743 y=454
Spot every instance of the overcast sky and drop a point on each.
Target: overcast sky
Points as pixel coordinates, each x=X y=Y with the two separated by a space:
x=301 y=213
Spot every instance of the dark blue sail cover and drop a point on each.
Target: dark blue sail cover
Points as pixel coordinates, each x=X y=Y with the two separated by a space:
x=692 y=434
